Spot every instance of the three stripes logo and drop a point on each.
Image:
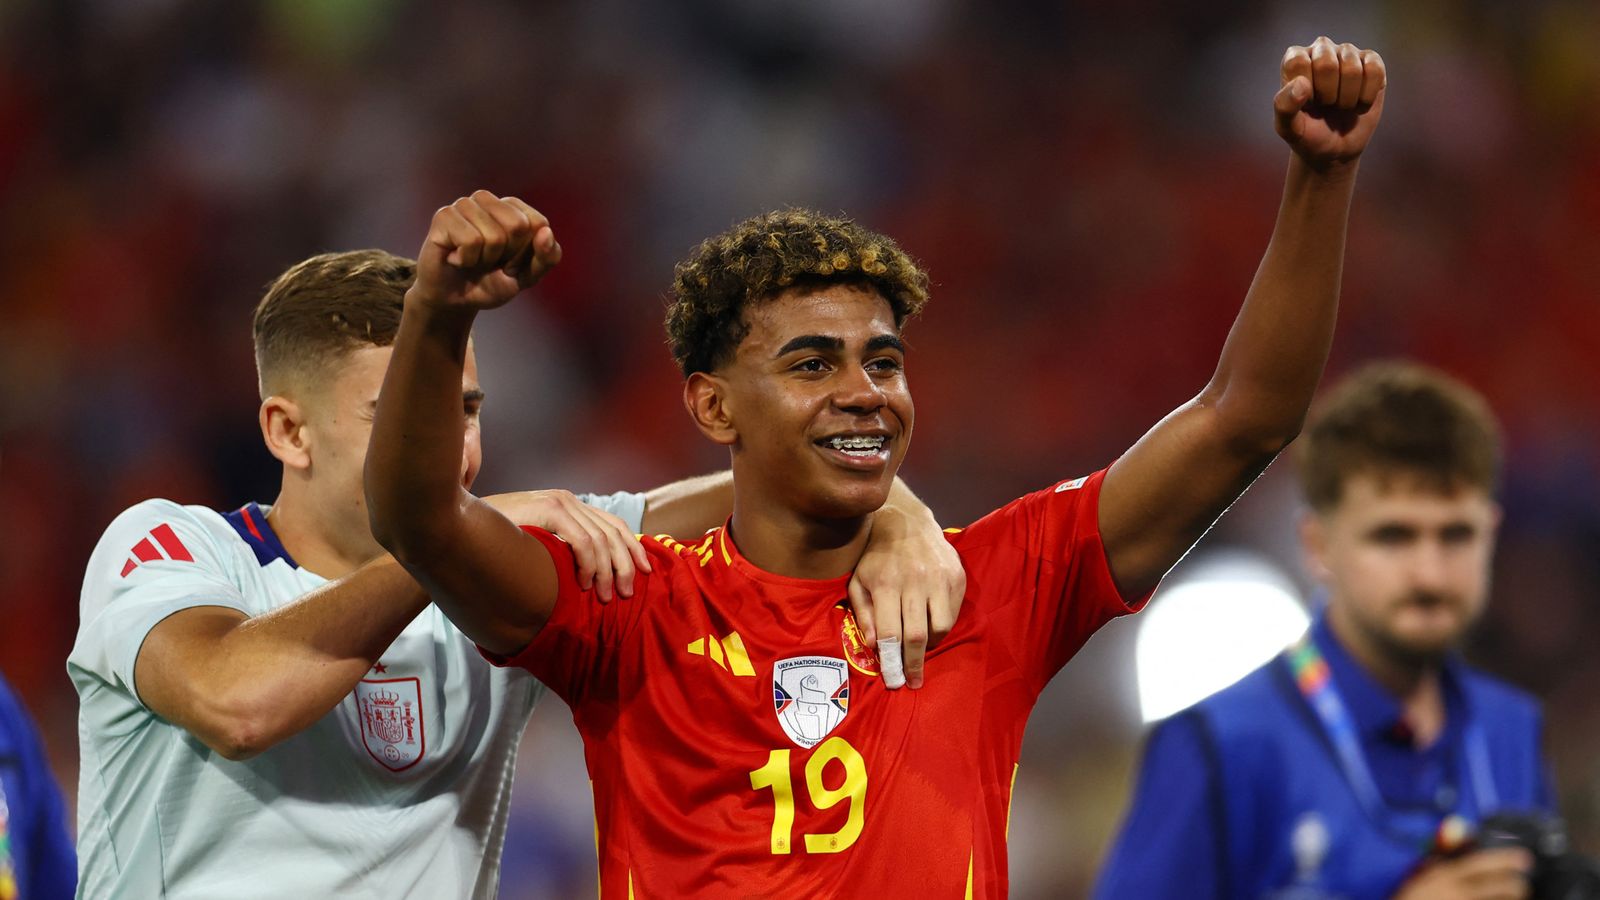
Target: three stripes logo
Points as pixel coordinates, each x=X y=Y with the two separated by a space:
x=728 y=653
x=146 y=550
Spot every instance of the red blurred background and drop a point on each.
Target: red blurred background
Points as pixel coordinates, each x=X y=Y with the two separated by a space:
x=1091 y=186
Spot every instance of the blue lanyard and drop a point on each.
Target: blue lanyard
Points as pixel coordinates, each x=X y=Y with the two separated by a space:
x=1315 y=681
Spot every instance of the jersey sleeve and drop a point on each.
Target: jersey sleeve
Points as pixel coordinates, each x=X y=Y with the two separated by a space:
x=154 y=560
x=1172 y=840
x=625 y=505
x=575 y=653
x=1044 y=570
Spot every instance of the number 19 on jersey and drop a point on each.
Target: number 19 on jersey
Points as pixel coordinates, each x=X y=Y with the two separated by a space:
x=776 y=777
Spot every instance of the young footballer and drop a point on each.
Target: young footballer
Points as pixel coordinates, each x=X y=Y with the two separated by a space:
x=739 y=736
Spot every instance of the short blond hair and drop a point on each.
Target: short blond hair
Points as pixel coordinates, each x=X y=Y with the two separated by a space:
x=323 y=308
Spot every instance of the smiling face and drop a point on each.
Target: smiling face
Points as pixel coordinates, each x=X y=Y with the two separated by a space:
x=1406 y=565
x=814 y=403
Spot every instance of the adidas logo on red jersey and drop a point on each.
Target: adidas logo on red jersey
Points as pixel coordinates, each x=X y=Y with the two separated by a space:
x=145 y=551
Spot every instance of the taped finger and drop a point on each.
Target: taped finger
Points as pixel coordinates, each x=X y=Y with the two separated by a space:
x=891 y=664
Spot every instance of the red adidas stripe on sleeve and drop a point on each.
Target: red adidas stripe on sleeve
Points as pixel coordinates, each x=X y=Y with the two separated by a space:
x=168 y=539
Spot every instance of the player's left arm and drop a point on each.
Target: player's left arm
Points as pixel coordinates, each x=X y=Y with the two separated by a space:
x=497 y=583
x=1163 y=494
x=907 y=587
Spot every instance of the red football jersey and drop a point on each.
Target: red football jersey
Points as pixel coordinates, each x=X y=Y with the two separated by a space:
x=741 y=742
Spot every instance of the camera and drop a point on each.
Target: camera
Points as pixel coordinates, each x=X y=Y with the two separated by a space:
x=1558 y=872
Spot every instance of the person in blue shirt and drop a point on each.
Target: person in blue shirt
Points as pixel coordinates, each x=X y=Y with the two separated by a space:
x=1337 y=769
x=36 y=857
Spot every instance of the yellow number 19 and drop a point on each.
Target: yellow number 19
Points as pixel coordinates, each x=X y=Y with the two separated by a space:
x=775 y=775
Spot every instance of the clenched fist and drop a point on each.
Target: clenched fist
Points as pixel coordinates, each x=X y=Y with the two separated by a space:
x=1330 y=100
x=481 y=251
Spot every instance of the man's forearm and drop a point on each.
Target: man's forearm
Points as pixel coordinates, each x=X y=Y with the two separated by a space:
x=243 y=685
x=495 y=582
x=412 y=463
x=307 y=656
x=687 y=509
x=902 y=503
x=1279 y=342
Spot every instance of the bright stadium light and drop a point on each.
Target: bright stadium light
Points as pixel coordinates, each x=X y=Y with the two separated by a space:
x=1220 y=619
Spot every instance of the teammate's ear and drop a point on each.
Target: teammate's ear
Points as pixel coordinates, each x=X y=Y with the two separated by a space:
x=706 y=398
x=283 y=427
x=1314 y=544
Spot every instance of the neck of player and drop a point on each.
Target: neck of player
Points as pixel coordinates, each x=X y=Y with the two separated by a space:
x=329 y=549
x=1414 y=682
x=788 y=543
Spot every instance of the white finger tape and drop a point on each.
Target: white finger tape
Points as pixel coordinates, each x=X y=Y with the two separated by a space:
x=894 y=666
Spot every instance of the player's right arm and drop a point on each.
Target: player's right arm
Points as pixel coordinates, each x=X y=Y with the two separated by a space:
x=497 y=583
x=177 y=634
x=243 y=683
x=165 y=622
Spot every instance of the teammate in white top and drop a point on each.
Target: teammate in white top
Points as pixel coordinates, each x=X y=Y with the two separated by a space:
x=269 y=705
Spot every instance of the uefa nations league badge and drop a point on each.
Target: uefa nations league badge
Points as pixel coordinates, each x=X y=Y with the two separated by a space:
x=811 y=695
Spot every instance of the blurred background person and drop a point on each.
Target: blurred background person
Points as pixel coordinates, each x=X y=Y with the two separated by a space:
x=1337 y=768
x=161 y=161
x=36 y=856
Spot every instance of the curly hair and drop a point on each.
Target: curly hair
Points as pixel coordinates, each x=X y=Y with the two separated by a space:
x=1399 y=418
x=322 y=308
x=764 y=256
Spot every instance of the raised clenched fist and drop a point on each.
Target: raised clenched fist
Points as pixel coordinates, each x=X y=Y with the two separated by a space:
x=481 y=251
x=1330 y=100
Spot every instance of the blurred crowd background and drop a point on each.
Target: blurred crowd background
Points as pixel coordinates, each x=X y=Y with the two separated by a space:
x=1090 y=184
